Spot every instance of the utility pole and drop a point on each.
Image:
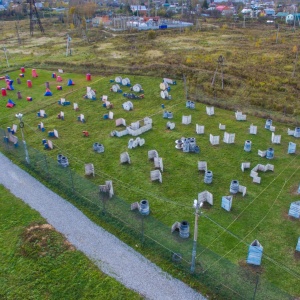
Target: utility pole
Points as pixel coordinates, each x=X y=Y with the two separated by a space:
x=220 y=62
x=33 y=12
x=277 y=33
x=197 y=205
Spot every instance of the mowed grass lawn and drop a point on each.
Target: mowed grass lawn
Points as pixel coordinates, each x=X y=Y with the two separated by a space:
x=261 y=214
x=37 y=262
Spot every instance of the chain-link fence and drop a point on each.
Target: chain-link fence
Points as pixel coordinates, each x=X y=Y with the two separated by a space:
x=223 y=278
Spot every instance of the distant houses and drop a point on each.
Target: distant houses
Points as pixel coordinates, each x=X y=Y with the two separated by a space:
x=289 y=18
x=97 y=21
x=139 y=9
x=269 y=12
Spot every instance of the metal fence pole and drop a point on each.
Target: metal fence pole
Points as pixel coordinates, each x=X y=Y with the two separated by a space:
x=72 y=183
x=6 y=143
x=19 y=116
x=142 y=231
x=46 y=163
x=197 y=206
x=104 y=197
x=256 y=285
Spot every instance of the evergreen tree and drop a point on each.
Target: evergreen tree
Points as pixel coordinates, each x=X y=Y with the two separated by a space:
x=205 y=4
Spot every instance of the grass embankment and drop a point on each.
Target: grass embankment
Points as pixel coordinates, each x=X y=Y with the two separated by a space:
x=37 y=262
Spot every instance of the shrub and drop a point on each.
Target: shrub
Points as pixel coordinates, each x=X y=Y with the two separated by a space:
x=289 y=109
x=151 y=35
x=224 y=27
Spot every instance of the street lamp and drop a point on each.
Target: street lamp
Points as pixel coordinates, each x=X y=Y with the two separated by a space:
x=197 y=205
x=19 y=116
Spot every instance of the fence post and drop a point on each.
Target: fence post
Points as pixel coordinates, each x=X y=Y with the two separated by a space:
x=185 y=87
x=72 y=183
x=256 y=285
x=104 y=197
x=142 y=231
x=104 y=205
x=6 y=143
x=47 y=169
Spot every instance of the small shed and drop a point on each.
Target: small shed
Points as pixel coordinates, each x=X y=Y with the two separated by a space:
x=255 y=252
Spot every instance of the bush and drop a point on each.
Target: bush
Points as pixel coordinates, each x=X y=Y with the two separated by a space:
x=151 y=35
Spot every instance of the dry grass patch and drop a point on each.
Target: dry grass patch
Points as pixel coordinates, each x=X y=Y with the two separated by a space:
x=154 y=53
x=252 y=268
x=39 y=240
x=103 y=46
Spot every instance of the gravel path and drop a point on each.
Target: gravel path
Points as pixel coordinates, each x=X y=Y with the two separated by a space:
x=112 y=256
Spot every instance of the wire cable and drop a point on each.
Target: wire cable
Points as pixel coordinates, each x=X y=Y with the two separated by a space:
x=250 y=203
x=242 y=240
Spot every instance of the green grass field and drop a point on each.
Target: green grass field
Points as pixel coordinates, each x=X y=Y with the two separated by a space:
x=261 y=214
x=37 y=262
x=258 y=79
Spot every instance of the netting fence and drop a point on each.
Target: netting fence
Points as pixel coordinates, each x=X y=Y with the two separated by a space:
x=223 y=278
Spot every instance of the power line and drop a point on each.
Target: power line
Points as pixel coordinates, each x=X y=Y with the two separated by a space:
x=252 y=201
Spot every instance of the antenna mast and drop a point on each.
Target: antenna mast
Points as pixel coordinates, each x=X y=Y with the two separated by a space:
x=220 y=65
x=34 y=13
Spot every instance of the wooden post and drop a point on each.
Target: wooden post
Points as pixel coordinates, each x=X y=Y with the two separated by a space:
x=46 y=164
x=277 y=33
x=295 y=62
x=18 y=35
x=72 y=182
x=185 y=87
